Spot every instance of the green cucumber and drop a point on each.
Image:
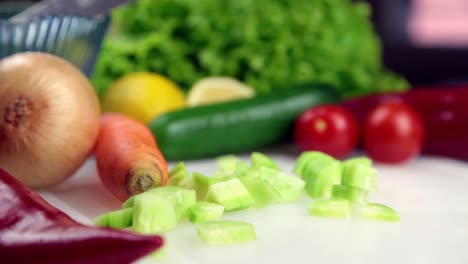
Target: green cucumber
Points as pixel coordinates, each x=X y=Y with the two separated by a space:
x=259 y=159
x=118 y=219
x=360 y=176
x=152 y=214
x=331 y=208
x=205 y=211
x=352 y=194
x=320 y=176
x=262 y=192
x=310 y=158
x=235 y=126
x=379 y=212
x=232 y=194
x=225 y=232
x=289 y=188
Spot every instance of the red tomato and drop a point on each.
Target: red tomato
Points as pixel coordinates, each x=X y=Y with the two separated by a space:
x=393 y=133
x=328 y=128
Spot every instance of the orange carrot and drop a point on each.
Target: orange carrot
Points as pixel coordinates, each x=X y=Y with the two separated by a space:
x=127 y=157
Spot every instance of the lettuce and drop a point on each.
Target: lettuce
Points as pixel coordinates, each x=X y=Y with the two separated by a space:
x=270 y=44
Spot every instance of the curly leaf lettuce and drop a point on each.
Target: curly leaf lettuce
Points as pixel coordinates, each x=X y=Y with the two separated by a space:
x=268 y=44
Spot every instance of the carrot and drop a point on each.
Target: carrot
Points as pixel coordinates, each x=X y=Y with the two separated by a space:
x=128 y=159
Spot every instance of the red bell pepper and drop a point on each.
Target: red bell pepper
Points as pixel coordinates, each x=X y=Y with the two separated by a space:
x=33 y=231
x=444 y=111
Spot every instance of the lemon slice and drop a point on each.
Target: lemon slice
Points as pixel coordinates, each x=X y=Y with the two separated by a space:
x=143 y=96
x=218 y=89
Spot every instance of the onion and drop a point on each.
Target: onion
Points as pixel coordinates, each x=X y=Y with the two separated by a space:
x=49 y=118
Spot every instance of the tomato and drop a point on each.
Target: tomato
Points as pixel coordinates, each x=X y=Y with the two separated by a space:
x=393 y=133
x=327 y=128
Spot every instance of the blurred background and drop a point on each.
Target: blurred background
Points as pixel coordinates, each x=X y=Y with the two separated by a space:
x=426 y=41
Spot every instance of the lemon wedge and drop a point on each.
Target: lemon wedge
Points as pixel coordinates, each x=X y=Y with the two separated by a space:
x=218 y=89
x=143 y=96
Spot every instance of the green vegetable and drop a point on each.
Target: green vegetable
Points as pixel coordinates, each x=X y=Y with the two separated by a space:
x=152 y=214
x=180 y=199
x=320 y=176
x=352 y=194
x=310 y=158
x=259 y=159
x=118 y=219
x=379 y=212
x=271 y=44
x=202 y=184
x=262 y=192
x=234 y=126
x=204 y=211
x=359 y=160
x=331 y=208
x=289 y=188
x=178 y=174
x=230 y=166
x=232 y=194
x=225 y=232
x=360 y=176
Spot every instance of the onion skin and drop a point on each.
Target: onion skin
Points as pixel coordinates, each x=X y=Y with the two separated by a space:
x=49 y=118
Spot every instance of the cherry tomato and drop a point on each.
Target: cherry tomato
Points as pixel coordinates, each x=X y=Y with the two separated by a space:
x=328 y=128
x=393 y=133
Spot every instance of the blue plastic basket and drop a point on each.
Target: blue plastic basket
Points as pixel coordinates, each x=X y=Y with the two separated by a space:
x=74 y=38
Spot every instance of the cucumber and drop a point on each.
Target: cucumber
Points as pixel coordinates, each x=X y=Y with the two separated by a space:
x=235 y=126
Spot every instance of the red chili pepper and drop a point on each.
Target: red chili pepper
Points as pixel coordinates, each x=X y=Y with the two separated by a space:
x=33 y=231
x=444 y=111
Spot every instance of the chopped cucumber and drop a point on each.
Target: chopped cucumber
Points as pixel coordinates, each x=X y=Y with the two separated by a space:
x=262 y=192
x=360 y=176
x=152 y=214
x=352 y=194
x=288 y=187
x=232 y=194
x=308 y=157
x=320 y=178
x=225 y=232
x=259 y=159
x=358 y=160
x=178 y=174
x=180 y=198
x=331 y=208
x=205 y=211
x=118 y=219
x=379 y=212
x=202 y=183
x=228 y=162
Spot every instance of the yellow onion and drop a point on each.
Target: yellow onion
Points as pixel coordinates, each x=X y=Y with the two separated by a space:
x=49 y=118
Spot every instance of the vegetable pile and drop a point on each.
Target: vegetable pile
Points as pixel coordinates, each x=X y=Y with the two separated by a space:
x=339 y=190
x=267 y=44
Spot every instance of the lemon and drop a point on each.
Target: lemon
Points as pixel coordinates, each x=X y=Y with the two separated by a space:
x=218 y=89
x=143 y=96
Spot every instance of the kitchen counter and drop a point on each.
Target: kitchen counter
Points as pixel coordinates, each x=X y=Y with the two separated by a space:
x=430 y=194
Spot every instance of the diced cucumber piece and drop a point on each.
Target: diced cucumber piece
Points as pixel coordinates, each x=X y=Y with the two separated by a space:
x=178 y=174
x=262 y=192
x=152 y=214
x=258 y=159
x=202 y=183
x=321 y=177
x=288 y=187
x=358 y=160
x=352 y=194
x=331 y=208
x=119 y=219
x=205 y=211
x=180 y=198
x=308 y=157
x=359 y=176
x=379 y=212
x=228 y=162
x=225 y=232
x=232 y=194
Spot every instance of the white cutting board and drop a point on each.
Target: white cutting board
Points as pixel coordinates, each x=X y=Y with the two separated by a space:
x=430 y=194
